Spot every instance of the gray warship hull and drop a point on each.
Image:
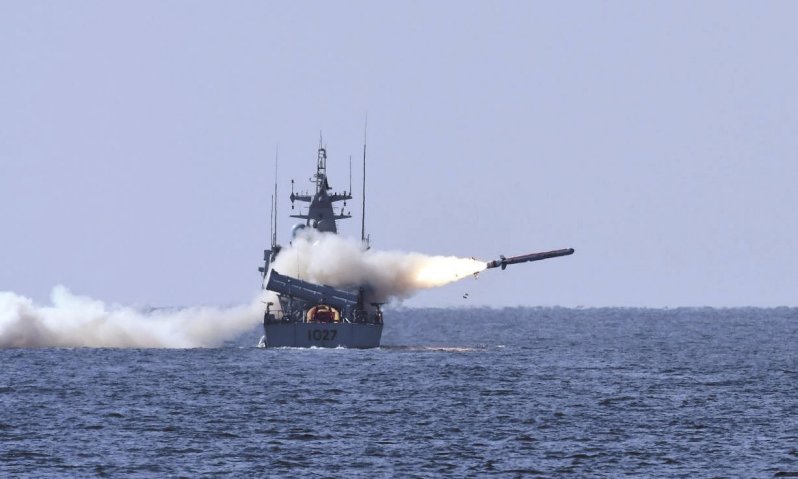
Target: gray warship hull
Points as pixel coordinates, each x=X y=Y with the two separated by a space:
x=305 y=335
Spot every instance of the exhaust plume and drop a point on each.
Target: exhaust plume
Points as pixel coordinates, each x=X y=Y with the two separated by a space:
x=345 y=263
x=79 y=321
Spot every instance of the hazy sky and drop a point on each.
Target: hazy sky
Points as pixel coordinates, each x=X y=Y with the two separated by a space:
x=658 y=139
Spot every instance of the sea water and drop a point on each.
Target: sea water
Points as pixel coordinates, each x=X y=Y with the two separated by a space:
x=516 y=392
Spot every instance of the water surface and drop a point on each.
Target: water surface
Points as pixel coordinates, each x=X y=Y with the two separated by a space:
x=518 y=392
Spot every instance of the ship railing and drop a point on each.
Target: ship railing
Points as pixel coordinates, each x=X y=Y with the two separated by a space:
x=275 y=316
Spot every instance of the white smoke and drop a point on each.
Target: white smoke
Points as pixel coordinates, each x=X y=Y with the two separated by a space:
x=343 y=262
x=79 y=321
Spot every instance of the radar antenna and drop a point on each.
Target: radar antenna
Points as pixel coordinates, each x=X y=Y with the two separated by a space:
x=321 y=170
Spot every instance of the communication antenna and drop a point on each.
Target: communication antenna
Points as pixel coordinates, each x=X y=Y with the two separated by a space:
x=363 y=212
x=271 y=223
x=274 y=201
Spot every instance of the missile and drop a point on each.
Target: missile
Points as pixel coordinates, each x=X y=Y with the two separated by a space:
x=503 y=262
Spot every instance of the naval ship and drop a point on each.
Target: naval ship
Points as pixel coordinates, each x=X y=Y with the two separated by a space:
x=309 y=314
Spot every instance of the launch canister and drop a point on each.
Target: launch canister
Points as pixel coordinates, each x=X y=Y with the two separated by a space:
x=503 y=262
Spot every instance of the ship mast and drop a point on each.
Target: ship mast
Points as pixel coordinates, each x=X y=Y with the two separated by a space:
x=274 y=201
x=321 y=169
x=363 y=196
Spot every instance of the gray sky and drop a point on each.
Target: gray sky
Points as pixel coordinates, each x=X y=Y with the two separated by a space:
x=659 y=139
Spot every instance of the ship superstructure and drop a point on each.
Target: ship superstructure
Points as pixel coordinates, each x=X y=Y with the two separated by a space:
x=310 y=314
x=321 y=214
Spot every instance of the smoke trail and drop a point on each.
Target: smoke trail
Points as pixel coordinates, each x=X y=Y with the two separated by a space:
x=78 y=321
x=344 y=263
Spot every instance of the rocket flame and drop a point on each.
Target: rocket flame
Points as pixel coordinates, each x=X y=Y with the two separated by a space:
x=440 y=270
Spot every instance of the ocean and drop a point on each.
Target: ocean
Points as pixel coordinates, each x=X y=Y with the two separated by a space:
x=514 y=392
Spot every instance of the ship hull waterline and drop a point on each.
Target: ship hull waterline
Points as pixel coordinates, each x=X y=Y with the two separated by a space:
x=322 y=335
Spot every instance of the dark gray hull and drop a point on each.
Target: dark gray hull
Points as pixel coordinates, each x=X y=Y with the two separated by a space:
x=322 y=335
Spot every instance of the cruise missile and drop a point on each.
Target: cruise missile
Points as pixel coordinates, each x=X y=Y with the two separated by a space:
x=503 y=262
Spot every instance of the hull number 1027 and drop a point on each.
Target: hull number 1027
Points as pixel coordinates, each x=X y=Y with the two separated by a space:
x=322 y=334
